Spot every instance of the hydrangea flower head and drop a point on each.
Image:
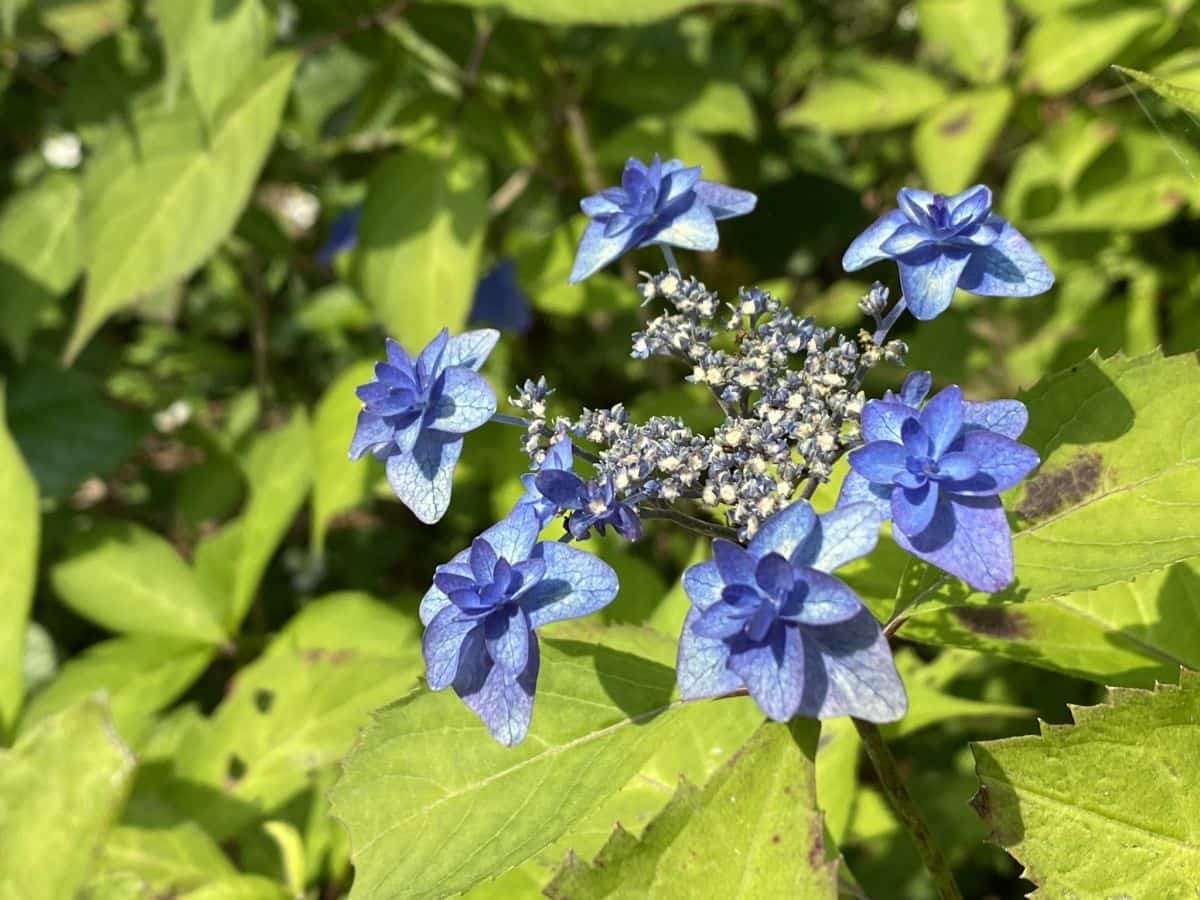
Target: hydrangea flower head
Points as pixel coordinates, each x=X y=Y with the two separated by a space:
x=416 y=412
x=484 y=606
x=593 y=504
x=772 y=618
x=936 y=470
x=942 y=243
x=660 y=203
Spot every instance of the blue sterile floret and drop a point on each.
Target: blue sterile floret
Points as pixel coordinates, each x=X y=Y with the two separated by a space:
x=415 y=414
x=592 y=504
x=770 y=617
x=559 y=458
x=484 y=606
x=941 y=243
x=660 y=203
x=936 y=470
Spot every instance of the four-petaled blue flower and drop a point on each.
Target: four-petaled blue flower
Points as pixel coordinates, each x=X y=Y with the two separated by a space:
x=662 y=203
x=482 y=610
x=593 y=504
x=416 y=413
x=937 y=472
x=559 y=458
x=773 y=619
x=941 y=243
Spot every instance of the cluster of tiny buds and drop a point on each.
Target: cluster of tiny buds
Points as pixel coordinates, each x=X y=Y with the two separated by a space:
x=790 y=392
x=874 y=301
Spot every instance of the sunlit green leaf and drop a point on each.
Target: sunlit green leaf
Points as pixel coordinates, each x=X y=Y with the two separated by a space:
x=602 y=12
x=973 y=35
x=20 y=529
x=1064 y=50
x=951 y=143
x=860 y=94
x=1186 y=98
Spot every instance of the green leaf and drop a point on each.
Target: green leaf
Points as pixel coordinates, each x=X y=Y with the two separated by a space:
x=930 y=704
x=165 y=861
x=349 y=620
x=691 y=97
x=67 y=428
x=80 y=23
x=433 y=805
x=420 y=241
x=287 y=715
x=291 y=852
x=68 y=778
x=20 y=530
x=339 y=484
x=601 y=12
x=951 y=143
x=39 y=254
x=1107 y=806
x=1066 y=49
x=141 y=675
x=973 y=35
x=130 y=580
x=754 y=831
x=1187 y=99
x=225 y=42
x=157 y=204
x=860 y=94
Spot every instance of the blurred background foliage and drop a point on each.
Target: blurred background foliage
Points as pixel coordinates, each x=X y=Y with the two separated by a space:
x=213 y=212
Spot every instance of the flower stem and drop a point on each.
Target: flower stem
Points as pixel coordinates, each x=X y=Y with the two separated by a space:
x=515 y=421
x=906 y=810
x=889 y=320
x=669 y=256
x=691 y=523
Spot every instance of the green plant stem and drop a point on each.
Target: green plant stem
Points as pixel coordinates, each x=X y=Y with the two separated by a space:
x=691 y=523
x=906 y=810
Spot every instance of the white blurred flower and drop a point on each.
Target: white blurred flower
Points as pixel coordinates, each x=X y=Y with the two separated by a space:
x=173 y=417
x=63 y=150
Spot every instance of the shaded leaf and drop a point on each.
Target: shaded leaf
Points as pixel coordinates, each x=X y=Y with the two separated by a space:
x=338 y=483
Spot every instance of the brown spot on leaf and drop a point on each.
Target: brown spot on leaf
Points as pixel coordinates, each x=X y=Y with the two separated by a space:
x=957 y=125
x=816 y=853
x=775 y=839
x=982 y=803
x=335 y=657
x=993 y=621
x=1054 y=490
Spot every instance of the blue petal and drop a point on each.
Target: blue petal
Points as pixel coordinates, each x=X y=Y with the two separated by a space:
x=969 y=538
x=843 y=534
x=435 y=599
x=867 y=248
x=372 y=431
x=916 y=388
x=774 y=575
x=905 y=239
x=678 y=179
x=959 y=466
x=1002 y=463
x=514 y=536
x=560 y=486
x=693 y=229
x=783 y=532
x=879 y=461
x=1006 y=417
x=849 y=671
x=559 y=456
x=733 y=562
x=398 y=357
x=508 y=636
x=503 y=702
x=725 y=202
x=856 y=490
x=464 y=402
x=598 y=205
x=773 y=671
x=471 y=348
x=596 y=251
x=915 y=439
x=929 y=277
x=970 y=206
x=829 y=601
x=702 y=667
x=576 y=584
x=942 y=419
x=720 y=621
x=914 y=202
x=442 y=644
x=433 y=358
x=424 y=478
x=883 y=420
x=483 y=559
x=913 y=508
x=703 y=584
x=1009 y=267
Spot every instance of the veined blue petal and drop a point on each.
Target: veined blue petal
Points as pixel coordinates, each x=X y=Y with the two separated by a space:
x=915 y=439
x=703 y=584
x=561 y=487
x=598 y=205
x=843 y=534
x=483 y=559
x=677 y=181
x=471 y=348
x=929 y=277
x=725 y=202
x=596 y=251
x=774 y=575
x=733 y=562
x=905 y=239
x=970 y=206
x=773 y=671
x=371 y=431
x=719 y=621
x=829 y=600
x=1008 y=267
x=441 y=645
x=702 y=666
x=915 y=389
x=576 y=584
x=913 y=508
x=969 y=538
x=1002 y=463
x=432 y=359
x=508 y=637
x=783 y=532
x=514 y=536
x=424 y=478
x=914 y=202
x=883 y=420
x=879 y=461
x=942 y=418
x=1006 y=417
x=398 y=357
x=849 y=671
x=857 y=490
x=959 y=466
x=867 y=248
x=693 y=229
x=464 y=402
x=503 y=701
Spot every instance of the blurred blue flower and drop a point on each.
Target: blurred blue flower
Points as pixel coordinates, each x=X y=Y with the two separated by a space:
x=559 y=458
x=416 y=413
x=936 y=472
x=482 y=610
x=500 y=302
x=662 y=203
x=343 y=236
x=593 y=504
x=941 y=243
x=772 y=618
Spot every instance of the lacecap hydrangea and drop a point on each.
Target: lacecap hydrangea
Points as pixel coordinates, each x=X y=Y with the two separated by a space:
x=770 y=615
